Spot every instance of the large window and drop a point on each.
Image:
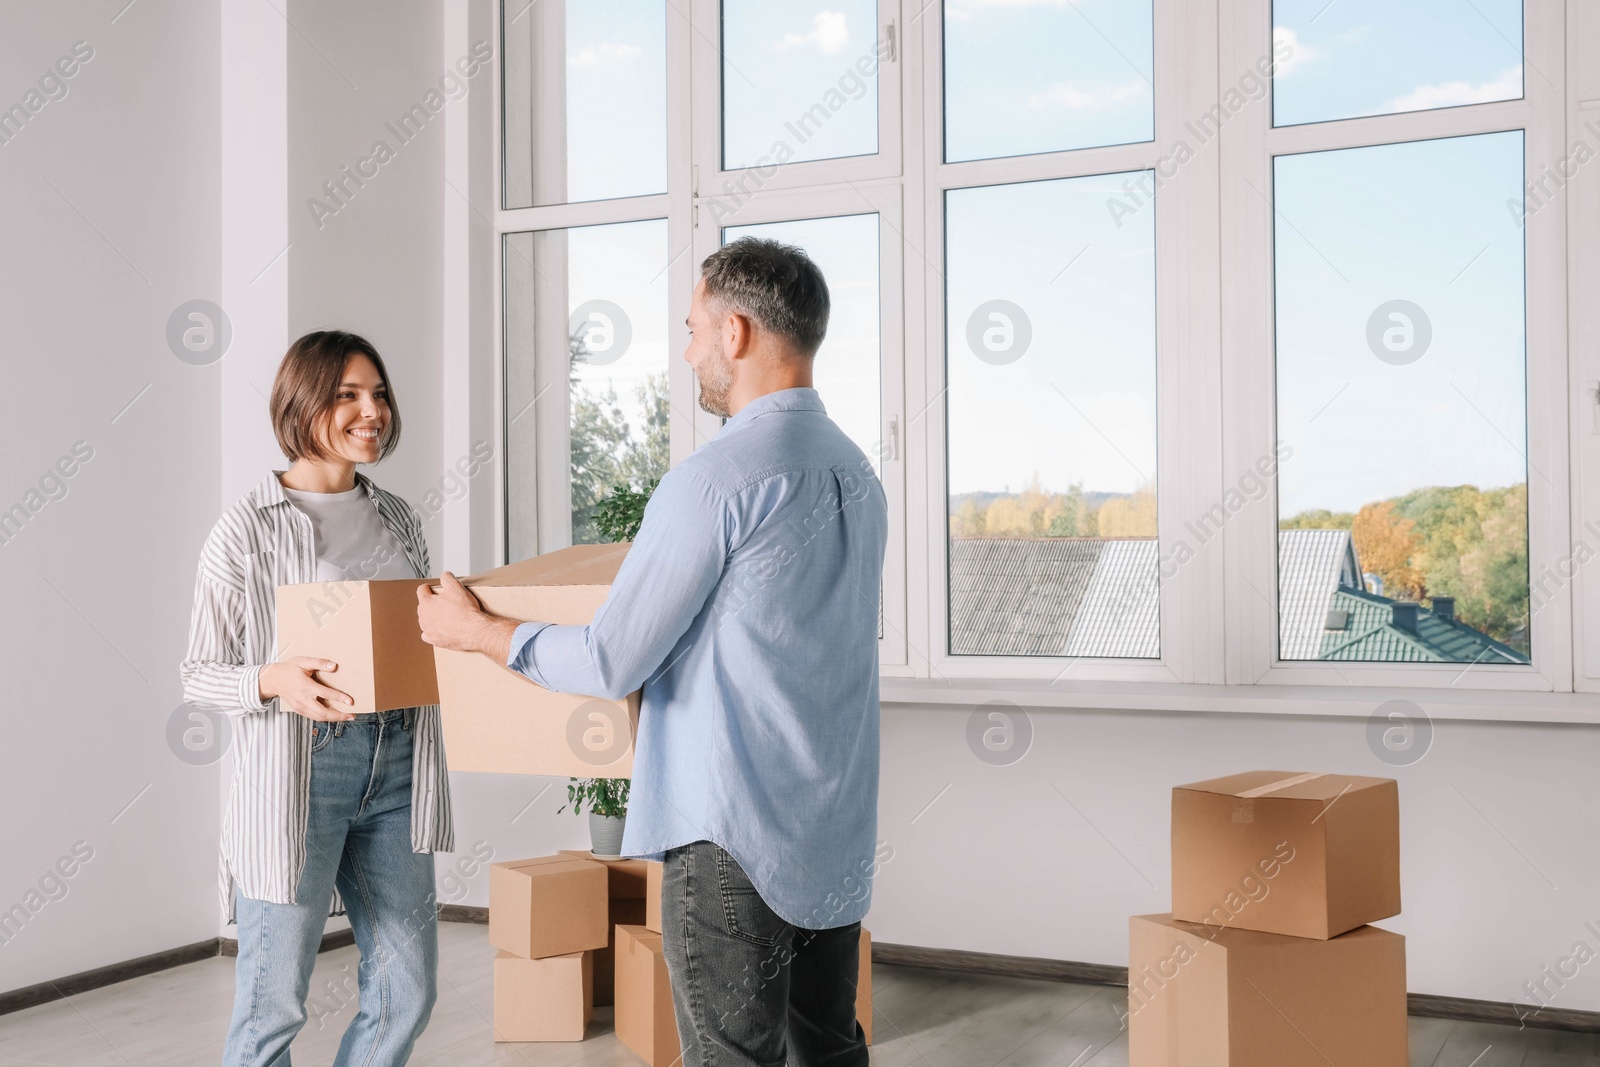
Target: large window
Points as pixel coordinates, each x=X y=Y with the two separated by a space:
x=1198 y=345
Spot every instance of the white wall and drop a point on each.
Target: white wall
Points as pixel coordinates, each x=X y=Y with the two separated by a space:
x=108 y=221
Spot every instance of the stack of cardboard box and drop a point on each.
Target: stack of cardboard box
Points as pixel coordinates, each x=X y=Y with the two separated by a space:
x=574 y=932
x=1266 y=959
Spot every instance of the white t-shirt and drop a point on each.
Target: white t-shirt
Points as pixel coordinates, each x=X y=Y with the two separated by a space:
x=352 y=542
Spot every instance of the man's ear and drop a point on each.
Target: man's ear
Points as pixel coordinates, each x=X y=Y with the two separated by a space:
x=736 y=335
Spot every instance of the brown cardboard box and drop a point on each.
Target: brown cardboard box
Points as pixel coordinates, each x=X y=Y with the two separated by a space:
x=1240 y=998
x=549 y=999
x=370 y=630
x=1310 y=855
x=627 y=879
x=498 y=721
x=652 y=897
x=549 y=906
x=645 y=1020
x=864 y=984
x=627 y=883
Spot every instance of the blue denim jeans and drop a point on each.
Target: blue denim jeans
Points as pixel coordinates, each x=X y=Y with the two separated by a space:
x=358 y=837
x=748 y=988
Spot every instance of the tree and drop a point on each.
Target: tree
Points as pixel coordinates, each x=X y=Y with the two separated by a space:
x=606 y=450
x=1386 y=544
x=1133 y=515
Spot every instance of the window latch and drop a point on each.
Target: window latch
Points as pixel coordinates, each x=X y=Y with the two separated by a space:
x=891 y=48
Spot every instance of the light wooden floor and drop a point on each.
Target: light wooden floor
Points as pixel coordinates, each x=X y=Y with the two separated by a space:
x=922 y=1018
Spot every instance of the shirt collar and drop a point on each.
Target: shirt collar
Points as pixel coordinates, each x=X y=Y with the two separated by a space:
x=782 y=400
x=270 y=492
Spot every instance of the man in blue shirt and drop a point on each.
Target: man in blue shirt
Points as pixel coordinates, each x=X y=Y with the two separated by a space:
x=747 y=610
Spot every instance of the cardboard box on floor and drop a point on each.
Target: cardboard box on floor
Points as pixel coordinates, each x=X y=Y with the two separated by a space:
x=1308 y=855
x=548 y=906
x=652 y=897
x=1242 y=998
x=628 y=883
x=370 y=630
x=498 y=721
x=548 y=999
x=644 y=1017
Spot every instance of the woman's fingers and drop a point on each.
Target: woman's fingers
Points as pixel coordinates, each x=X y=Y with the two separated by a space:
x=315 y=663
x=331 y=696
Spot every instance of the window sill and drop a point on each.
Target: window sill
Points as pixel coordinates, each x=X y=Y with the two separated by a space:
x=1345 y=701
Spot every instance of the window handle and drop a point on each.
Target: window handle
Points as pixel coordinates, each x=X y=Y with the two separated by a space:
x=893 y=49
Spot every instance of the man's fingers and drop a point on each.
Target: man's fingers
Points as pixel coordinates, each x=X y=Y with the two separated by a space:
x=426 y=592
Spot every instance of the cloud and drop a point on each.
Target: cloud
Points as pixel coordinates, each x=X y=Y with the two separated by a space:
x=828 y=35
x=1508 y=86
x=1062 y=95
x=593 y=55
x=1298 y=54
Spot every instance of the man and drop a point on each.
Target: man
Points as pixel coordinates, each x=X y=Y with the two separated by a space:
x=747 y=609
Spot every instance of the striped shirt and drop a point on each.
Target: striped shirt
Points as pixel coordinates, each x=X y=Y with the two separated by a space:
x=260 y=543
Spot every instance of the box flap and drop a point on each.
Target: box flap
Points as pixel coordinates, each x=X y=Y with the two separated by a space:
x=578 y=565
x=1284 y=785
x=548 y=864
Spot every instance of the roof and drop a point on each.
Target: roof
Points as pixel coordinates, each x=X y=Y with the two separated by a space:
x=1372 y=635
x=1054 y=596
x=1312 y=564
x=1071 y=596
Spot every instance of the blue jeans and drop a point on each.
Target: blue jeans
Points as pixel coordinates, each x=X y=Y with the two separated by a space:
x=748 y=988
x=358 y=837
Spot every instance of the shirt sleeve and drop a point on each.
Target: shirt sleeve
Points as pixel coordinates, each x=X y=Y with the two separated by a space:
x=215 y=676
x=663 y=584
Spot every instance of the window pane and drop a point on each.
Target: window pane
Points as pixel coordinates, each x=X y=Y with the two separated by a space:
x=1051 y=371
x=1371 y=57
x=586 y=322
x=799 y=81
x=585 y=100
x=1021 y=78
x=847 y=372
x=1402 y=400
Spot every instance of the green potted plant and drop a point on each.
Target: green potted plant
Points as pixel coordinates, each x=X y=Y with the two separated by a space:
x=607 y=799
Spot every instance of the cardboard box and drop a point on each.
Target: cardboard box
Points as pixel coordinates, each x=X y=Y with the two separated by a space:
x=370 y=630
x=1309 y=855
x=1240 y=998
x=626 y=879
x=624 y=912
x=549 y=999
x=645 y=1019
x=549 y=906
x=864 y=984
x=652 y=897
x=498 y=721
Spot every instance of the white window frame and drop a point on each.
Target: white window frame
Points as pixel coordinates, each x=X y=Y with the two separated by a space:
x=1250 y=145
x=1215 y=360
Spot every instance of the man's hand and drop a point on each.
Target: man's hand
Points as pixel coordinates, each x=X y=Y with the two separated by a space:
x=451 y=617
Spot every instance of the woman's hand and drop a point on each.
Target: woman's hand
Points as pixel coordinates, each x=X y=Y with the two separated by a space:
x=291 y=682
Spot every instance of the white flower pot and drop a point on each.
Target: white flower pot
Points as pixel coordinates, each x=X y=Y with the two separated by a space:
x=605 y=833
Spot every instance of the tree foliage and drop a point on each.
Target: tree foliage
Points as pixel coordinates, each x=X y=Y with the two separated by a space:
x=608 y=450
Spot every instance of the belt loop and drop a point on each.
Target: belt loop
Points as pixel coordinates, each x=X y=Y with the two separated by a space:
x=407 y=717
x=338 y=729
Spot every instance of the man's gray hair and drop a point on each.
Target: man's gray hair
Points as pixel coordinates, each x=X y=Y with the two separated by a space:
x=773 y=283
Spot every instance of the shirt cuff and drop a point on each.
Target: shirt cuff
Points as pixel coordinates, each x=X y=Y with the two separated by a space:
x=521 y=657
x=250 y=689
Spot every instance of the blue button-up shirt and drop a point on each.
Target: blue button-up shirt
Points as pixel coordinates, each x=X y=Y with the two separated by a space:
x=747 y=609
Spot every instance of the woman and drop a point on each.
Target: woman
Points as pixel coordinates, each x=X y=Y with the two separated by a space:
x=321 y=800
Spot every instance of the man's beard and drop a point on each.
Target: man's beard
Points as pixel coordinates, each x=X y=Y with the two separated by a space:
x=715 y=375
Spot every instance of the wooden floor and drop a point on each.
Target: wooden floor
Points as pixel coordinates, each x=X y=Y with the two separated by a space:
x=922 y=1017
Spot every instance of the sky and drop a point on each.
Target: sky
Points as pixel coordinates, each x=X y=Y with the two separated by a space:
x=1425 y=223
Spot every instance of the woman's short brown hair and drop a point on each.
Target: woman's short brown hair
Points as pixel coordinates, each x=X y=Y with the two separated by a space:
x=307 y=388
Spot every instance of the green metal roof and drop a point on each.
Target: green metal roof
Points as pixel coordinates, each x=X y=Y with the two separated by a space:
x=1372 y=635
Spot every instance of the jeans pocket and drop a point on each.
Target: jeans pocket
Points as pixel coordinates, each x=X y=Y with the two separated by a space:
x=321 y=734
x=744 y=913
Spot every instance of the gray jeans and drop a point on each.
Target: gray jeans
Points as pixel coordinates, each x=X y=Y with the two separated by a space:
x=748 y=988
